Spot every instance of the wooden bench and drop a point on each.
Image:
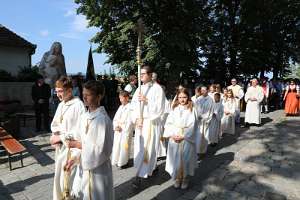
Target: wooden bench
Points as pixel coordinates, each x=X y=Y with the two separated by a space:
x=11 y=146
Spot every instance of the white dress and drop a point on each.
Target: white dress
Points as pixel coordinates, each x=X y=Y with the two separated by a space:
x=252 y=114
x=123 y=138
x=214 y=129
x=65 y=123
x=147 y=141
x=96 y=133
x=204 y=106
x=181 y=156
x=228 y=121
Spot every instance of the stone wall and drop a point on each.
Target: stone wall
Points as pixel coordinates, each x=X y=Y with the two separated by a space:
x=17 y=91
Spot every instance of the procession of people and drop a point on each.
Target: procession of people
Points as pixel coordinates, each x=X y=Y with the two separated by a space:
x=87 y=142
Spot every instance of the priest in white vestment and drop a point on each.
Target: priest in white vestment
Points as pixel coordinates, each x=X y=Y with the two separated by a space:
x=180 y=128
x=238 y=94
x=204 y=105
x=94 y=147
x=253 y=98
x=151 y=103
x=63 y=126
x=228 y=119
x=123 y=130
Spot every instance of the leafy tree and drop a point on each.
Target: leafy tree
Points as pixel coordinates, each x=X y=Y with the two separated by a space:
x=28 y=74
x=220 y=38
x=173 y=32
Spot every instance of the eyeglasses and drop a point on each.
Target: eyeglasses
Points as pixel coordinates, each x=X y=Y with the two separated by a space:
x=143 y=74
x=59 y=90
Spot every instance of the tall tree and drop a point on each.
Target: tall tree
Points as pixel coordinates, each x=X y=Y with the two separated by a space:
x=173 y=34
x=90 y=70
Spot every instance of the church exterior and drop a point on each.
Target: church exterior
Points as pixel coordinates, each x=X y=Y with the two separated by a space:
x=15 y=51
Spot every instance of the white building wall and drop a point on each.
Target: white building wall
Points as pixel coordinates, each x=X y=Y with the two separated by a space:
x=11 y=58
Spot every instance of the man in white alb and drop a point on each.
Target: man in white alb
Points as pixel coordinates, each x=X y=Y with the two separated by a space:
x=253 y=98
x=151 y=103
x=64 y=125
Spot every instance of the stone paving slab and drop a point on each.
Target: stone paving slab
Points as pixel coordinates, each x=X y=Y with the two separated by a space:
x=260 y=163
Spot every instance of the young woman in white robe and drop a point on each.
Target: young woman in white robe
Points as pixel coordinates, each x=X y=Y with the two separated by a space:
x=180 y=128
x=253 y=98
x=123 y=129
x=63 y=126
x=228 y=119
x=214 y=128
x=95 y=147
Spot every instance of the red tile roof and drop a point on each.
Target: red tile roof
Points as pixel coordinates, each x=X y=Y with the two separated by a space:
x=9 y=38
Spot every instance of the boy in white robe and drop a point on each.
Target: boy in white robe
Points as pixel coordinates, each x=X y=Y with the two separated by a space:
x=197 y=94
x=123 y=129
x=148 y=108
x=212 y=91
x=63 y=126
x=228 y=119
x=253 y=98
x=204 y=106
x=180 y=128
x=94 y=147
x=214 y=129
x=238 y=94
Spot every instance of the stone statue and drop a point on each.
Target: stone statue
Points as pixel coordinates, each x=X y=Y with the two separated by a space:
x=52 y=65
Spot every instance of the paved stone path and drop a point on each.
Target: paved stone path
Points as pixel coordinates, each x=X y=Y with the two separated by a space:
x=260 y=163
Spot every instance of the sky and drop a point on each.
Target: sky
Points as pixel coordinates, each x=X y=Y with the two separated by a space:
x=43 y=22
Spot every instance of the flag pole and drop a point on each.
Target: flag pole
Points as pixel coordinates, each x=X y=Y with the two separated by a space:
x=140 y=29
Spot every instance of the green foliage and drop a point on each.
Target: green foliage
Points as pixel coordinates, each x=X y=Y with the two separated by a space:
x=220 y=38
x=6 y=76
x=28 y=74
x=172 y=34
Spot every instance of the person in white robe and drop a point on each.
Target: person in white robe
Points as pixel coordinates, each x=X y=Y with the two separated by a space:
x=197 y=94
x=123 y=130
x=214 y=128
x=94 y=147
x=148 y=107
x=204 y=106
x=253 y=98
x=212 y=91
x=180 y=128
x=63 y=126
x=163 y=143
x=238 y=93
x=228 y=119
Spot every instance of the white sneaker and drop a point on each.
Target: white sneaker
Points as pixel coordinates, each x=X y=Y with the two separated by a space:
x=177 y=183
x=185 y=184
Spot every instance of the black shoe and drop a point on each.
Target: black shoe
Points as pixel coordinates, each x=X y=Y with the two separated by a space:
x=201 y=156
x=213 y=144
x=136 y=183
x=246 y=125
x=155 y=171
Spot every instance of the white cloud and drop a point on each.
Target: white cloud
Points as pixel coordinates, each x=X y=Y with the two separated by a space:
x=70 y=13
x=70 y=35
x=44 y=33
x=80 y=23
x=77 y=24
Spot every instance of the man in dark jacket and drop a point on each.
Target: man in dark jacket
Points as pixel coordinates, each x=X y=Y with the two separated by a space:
x=41 y=93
